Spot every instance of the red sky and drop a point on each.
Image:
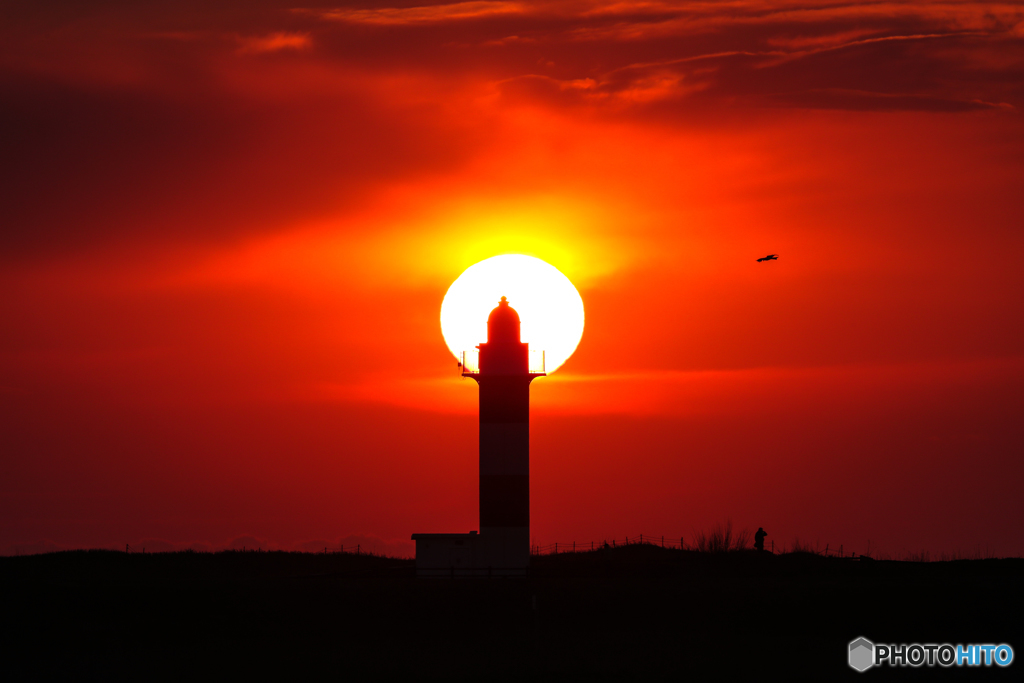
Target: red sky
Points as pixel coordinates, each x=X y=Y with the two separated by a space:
x=226 y=230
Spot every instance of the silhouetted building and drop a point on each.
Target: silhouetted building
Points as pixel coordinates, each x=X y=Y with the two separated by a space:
x=502 y=368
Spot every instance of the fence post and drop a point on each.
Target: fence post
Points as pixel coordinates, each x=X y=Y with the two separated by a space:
x=682 y=545
x=841 y=550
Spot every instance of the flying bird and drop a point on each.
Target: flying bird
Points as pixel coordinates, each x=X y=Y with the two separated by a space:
x=769 y=257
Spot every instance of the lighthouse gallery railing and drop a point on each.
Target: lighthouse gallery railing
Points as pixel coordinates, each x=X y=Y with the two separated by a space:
x=470 y=362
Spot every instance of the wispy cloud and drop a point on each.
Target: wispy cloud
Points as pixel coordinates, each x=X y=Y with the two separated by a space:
x=423 y=15
x=274 y=42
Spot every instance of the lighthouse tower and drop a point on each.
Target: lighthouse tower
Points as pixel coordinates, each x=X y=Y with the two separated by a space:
x=504 y=377
x=503 y=371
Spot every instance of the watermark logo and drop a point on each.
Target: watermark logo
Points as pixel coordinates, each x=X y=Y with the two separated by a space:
x=863 y=654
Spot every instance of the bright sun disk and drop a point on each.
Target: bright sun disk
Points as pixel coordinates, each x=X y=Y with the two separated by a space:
x=550 y=309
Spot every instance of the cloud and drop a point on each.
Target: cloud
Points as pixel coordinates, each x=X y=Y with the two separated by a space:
x=507 y=40
x=842 y=45
x=423 y=14
x=854 y=100
x=891 y=73
x=207 y=160
x=275 y=42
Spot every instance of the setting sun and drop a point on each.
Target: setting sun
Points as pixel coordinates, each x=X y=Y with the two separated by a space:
x=548 y=304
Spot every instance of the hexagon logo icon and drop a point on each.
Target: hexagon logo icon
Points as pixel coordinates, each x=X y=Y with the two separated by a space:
x=862 y=654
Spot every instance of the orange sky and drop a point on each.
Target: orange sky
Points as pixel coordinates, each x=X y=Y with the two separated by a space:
x=227 y=229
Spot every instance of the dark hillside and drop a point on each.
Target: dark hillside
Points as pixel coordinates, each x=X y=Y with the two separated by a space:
x=629 y=613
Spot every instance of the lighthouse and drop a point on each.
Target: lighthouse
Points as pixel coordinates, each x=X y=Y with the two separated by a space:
x=503 y=367
x=504 y=377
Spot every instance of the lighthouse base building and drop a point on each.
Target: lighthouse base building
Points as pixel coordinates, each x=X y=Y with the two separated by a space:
x=503 y=369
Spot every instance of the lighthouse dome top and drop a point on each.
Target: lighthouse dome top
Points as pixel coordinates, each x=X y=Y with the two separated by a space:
x=503 y=323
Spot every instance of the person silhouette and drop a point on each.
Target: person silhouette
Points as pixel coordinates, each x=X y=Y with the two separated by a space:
x=759 y=538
